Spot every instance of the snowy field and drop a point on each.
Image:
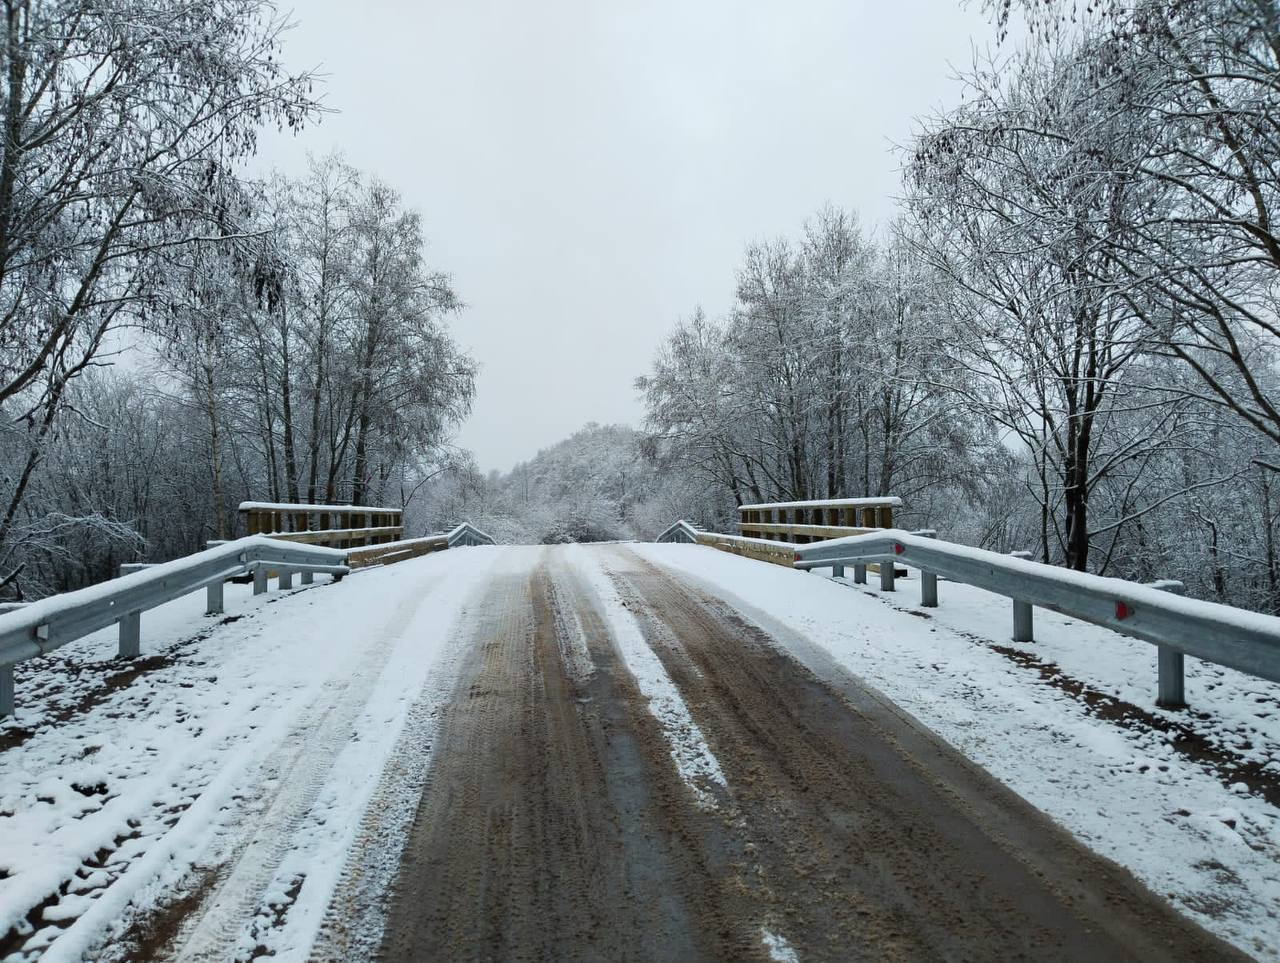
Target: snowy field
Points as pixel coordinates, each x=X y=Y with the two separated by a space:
x=277 y=718
x=1186 y=800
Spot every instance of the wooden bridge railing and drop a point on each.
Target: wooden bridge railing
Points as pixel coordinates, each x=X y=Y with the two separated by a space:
x=816 y=521
x=338 y=526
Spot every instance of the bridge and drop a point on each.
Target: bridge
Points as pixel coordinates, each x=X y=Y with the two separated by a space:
x=326 y=740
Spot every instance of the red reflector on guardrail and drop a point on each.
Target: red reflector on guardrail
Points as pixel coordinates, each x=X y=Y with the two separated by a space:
x=898 y=549
x=797 y=558
x=1123 y=611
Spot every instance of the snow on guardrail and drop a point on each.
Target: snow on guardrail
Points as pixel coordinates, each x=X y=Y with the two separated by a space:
x=40 y=627
x=1246 y=641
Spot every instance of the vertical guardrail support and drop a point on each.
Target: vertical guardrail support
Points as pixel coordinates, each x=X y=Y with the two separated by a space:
x=1171 y=666
x=213 y=598
x=837 y=571
x=859 y=574
x=286 y=578
x=307 y=578
x=7 y=706
x=130 y=635
x=259 y=580
x=928 y=580
x=1022 y=622
x=928 y=590
x=887 y=576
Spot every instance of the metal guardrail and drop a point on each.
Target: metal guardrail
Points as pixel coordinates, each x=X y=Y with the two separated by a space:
x=1246 y=641
x=40 y=627
x=467 y=534
x=681 y=531
x=37 y=628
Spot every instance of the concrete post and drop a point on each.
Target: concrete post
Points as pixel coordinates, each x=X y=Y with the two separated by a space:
x=286 y=578
x=1171 y=664
x=859 y=574
x=886 y=576
x=307 y=577
x=213 y=598
x=259 y=580
x=6 y=691
x=1022 y=631
x=130 y=635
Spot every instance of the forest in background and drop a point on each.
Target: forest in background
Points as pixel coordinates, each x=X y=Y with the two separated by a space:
x=1065 y=342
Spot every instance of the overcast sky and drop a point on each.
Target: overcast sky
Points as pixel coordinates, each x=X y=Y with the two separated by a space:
x=588 y=172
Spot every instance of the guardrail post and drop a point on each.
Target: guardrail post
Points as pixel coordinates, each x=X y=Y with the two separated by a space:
x=886 y=576
x=1171 y=663
x=928 y=590
x=837 y=571
x=259 y=580
x=1022 y=629
x=130 y=635
x=213 y=598
x=7 y=707
x=859 y=574
x=928 y=580
x=286 y=578
x=307 y=577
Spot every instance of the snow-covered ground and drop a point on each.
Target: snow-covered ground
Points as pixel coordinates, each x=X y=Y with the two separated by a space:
x=1067 y=721
x=240 y=758
x=278 y=717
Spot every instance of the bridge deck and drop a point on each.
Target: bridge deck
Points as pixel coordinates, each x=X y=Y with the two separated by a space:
x=547 y=753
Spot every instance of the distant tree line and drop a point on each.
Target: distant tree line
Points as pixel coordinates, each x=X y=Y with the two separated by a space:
x=1066 y=342
x=278 y=340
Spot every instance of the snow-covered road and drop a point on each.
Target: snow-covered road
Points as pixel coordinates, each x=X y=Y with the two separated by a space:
x=249 y=786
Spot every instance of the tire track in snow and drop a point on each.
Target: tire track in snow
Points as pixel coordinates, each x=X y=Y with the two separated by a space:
x=299 y=769
x=694 y=760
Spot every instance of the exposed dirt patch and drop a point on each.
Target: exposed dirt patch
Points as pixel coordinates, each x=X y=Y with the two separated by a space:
x=98 y=681
x=1229 y=767
x=154 y=937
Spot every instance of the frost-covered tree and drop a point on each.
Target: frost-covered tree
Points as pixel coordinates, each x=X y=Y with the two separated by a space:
x=116 y=117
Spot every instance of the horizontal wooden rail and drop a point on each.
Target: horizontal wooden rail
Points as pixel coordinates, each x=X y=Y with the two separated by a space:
x=778 y=553
x=342 y=537
x=817 y=520
x=399 y=551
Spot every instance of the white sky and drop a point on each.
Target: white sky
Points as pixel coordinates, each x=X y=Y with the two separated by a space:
x=588 y=172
